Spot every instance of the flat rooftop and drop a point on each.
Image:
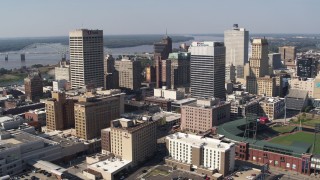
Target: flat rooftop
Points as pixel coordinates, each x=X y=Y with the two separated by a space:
x=131 y=126
x=200 y=141
x=250 y=174
x=18 y=137
x=168 y=115
x=184 y=101
x=110 y=165
x=5 y=118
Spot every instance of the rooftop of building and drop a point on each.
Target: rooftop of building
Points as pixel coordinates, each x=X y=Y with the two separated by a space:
x=110 y=165
x=206 y=43
x=37 y=111
x=48 y=166
x=208 y=103
x=87 y=100
x=65 y=141
x=184 y=101
x=16 y=138
x=3 y=98
x=130 y=125
x=159 y=99
x=297 y=93
x=260 y=41
x=272 y=99
x=5 y=119
x=168 y=115
x=180 y=55
x=66 y=137
x=200 y=141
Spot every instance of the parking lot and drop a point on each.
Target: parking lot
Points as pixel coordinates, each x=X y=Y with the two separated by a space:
x=163 y=172
x=35 y=174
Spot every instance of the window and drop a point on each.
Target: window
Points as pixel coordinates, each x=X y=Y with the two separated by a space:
x=294 y=166
x=288 y=165
x=265 y=155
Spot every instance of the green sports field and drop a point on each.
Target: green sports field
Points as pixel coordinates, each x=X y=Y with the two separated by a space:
x=303 y=137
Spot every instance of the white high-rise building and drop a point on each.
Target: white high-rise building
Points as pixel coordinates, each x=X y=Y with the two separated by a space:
x=86 y=58
x=207 y=67
x=236 y=41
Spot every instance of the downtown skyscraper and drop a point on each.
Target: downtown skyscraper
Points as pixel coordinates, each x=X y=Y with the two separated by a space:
x=236 y=41
x=86 y=58
x=207 y=67
x=258 y=82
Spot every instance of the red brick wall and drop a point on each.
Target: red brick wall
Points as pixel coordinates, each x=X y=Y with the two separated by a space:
x=276 y=160
x=32 y=116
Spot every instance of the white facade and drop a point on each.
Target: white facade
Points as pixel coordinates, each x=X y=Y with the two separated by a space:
x=312 y=85
x=168 y=94
x=62 y=73
x=236 y=41
x=59 y=84
x=18 y=147
x=273 y=107
x=180 y=147
x=86 y=58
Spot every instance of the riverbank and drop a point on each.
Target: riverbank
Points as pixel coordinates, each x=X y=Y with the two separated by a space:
x=17 y=76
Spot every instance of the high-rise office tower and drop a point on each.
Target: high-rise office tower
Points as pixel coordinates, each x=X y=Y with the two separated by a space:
x=111 y=76
x=93 y=113
x=207 y=69
x=288 y=53
x=259 y=60
x=236 y=41
x=275 y=60
x=86 y=58
x=230 y=73
x=59 y=112
x=259 y=82
x=33 y=86
x=179 y=70
x=62 y=72
x=307 y=68
x=150 y=74
x=161 y=52
x=129 y=73
x=267 y=86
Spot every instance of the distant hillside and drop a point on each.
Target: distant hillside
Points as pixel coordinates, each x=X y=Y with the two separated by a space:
x=116 y=41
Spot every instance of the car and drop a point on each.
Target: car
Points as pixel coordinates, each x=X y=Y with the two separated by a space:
x=144 y=171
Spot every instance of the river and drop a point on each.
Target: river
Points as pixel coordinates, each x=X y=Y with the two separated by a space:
x=52 y=58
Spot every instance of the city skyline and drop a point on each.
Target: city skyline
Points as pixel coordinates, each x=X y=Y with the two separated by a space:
x=56 y=18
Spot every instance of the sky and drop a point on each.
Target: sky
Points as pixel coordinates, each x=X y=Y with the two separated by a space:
x=42 y=18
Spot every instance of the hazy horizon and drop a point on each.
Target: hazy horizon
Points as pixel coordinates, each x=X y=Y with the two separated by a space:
x=192 y=34
x=33 y=18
